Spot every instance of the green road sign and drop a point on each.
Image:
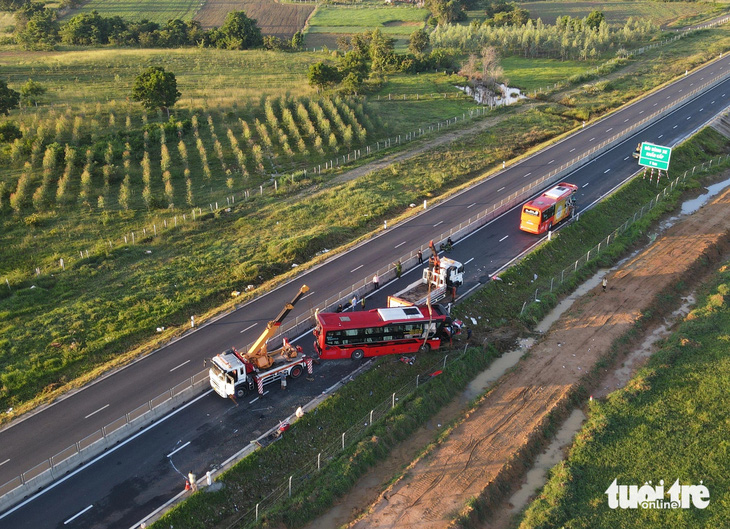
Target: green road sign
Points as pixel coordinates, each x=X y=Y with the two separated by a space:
x=655 y=156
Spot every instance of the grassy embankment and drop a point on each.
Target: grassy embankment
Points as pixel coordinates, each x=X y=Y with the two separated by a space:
x=496 y=303
x=65 y=328
x=669 y=423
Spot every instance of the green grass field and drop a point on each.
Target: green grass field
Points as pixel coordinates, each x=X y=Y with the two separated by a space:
x=666 y=14
x=330 y=22
x=155 y=10
x=669 y=423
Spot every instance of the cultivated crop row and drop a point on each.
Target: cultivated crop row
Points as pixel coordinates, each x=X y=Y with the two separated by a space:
x=64 y=160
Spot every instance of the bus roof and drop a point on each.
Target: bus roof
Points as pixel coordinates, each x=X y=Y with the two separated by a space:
x=550 y=197
x=376 y=317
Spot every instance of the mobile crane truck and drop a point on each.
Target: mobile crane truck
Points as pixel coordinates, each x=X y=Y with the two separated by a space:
x=442 y=276
x=234 y=373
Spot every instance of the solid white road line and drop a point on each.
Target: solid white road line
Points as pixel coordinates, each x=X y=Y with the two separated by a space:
x=177 y=449
x=77 y=515
x=399 y=245
x=1 y=464
x=249 y=327
x=257 y=398
x=97 y=411
x=104 y=454
x=356 y=269
x=503 y=238
x=174 y=368
x=469 y=261
x=310 y=293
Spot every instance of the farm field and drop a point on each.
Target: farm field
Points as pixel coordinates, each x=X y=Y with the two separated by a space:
x=330 y=22
x=274 y=18
x=668 y=14
x=155 y=10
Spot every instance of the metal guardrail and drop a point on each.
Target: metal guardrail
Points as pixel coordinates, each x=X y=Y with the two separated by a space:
x=91 y=445
x=596 y=250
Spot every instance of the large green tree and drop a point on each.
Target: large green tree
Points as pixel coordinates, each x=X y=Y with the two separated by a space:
x=323 y=75
x=418 y=42
x=238 y=32
x=9 y=98
x=40 y=32
x=156 y=88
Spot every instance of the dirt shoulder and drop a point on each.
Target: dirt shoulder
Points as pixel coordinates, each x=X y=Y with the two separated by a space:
x=508 y=420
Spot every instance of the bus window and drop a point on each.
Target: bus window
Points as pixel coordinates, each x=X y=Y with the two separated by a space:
x=548 y=213
x=531 y=211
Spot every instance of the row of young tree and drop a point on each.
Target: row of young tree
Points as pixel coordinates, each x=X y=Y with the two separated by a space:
x=170 y=164
x=38 y=28
x=570 y=39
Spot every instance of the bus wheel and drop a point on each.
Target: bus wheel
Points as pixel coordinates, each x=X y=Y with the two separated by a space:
x=241 y=392
x=424 y=348
x=357 y=354
x=296 y=371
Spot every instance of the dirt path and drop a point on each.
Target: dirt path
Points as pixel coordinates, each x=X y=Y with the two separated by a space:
x=510 y=418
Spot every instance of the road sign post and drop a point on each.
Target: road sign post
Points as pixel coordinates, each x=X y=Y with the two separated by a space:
x=655 y=156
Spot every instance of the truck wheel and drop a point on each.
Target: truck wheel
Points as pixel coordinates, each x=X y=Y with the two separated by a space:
x=425 y=348
x=296 y=371
x=357 y=354
x=241 y=392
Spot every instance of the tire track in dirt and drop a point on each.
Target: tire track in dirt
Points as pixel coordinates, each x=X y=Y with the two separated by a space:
x=504 y=424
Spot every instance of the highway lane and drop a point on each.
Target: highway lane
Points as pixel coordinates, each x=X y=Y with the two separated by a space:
x=111 y=397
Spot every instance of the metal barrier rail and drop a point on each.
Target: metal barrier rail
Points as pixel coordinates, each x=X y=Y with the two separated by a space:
x=98 y=441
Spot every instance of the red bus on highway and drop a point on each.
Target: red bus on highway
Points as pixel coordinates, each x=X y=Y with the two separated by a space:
x=542 y=213
x=397 y=330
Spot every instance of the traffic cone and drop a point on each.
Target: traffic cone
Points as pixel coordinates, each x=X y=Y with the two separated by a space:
x=187 y=485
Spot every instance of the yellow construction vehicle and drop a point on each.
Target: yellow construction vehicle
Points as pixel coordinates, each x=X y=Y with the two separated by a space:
x=235 y=373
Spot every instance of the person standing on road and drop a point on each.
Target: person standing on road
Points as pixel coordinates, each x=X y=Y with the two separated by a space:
x=354 y=303
x=376 y=282
x=339 y=308
x=398 y=269
x=420 y=256
x=604 y=283
x=362 y=302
